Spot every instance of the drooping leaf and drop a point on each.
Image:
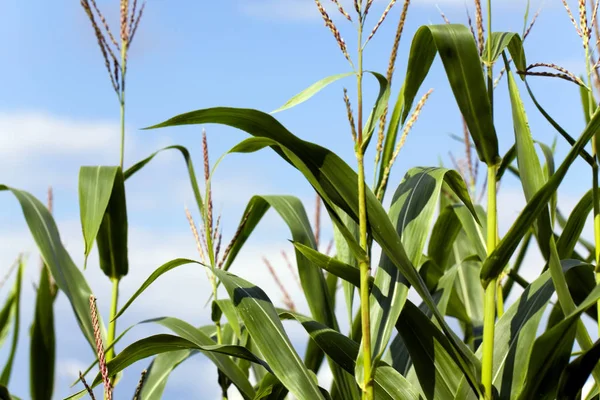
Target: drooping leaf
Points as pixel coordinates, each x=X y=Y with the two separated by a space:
x=332 y=265
x=112 y=235
x=68 y=277
x=378 y=108
x=530 y=168
x=153 y=277
x=462 y=63
x=510 y=41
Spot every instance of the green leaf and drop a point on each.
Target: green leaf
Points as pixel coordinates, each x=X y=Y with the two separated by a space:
x=530 y=168
x=344 y=254
x=5 y=317
x=506 y=40
x=204 y=342
x=431 y=353
x=95 y=189
x=262 y=322
x=112 y=236
x=332 y=265
x=16 y=293
x=551 y=353
x=389 y=384
x=574 y=227
x=378 y=108
x=576 y=374
x=311 y=91
x=42 y=351
x=228 y=309
x=159 y=371
x=153 y=277
x=164 y=343
x=391 y=136
x=103 y=213
x=68 y=277
x=460 y=57
x=335 y=182
x=495 y=263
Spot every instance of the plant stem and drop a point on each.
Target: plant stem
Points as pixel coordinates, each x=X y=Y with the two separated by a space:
x=595 y=199
x=489 y=312
x=112 y=325
x=489 y=316
x=364 y=266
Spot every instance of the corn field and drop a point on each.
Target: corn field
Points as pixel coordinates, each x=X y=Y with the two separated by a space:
x=412 y=290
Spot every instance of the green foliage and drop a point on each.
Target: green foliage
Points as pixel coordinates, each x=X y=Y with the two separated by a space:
x=434 y=240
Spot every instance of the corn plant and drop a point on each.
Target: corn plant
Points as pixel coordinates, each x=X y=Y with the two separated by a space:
x=435 y=238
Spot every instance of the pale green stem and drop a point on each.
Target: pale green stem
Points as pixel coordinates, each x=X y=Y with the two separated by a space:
x=489 y=313
x=489 y=316
x=112 y=325
x=368 y=389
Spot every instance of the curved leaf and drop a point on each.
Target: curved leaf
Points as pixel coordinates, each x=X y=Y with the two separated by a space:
x=506 y=40
x=163 y=343
x=459 y=54
x=159 y=371
x=332 y=265
x=378 y=108
x=68 y=277
x=262 y=322
x=153 y=277
x=389 y=384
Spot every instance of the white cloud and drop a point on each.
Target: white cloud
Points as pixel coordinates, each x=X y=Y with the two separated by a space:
x=30 y=134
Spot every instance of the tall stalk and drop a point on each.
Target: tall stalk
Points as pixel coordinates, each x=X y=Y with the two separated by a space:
x=489 y=316
x=364 y=265
x=112 y=325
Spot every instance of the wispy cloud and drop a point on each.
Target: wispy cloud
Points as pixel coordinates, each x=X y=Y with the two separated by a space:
x=35 y=133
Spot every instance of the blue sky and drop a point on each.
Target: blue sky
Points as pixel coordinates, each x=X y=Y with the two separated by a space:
x=58 y=112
